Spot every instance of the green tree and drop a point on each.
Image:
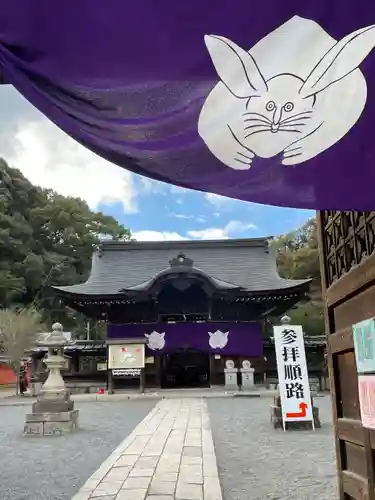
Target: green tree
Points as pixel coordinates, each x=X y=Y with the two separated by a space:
x=298 y=258
x=19 y=329
x=45 y=239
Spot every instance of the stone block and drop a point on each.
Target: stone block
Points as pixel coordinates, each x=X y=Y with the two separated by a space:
x=146 y=462
x=162 y=488
x=166 y=477
x=117 y=474
x=52 y=406
x=58 y=428
x=132 y=495
x=107 y=488
x=50 y=424
x=63 y=416
x=211 y=489
x=230 y=376
x=192 y=451
x=33 y=429
x=141 y=472
x=189 y=491
x=136 y=483
x=126 y=460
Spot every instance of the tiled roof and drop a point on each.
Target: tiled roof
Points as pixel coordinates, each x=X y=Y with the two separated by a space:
x=247 y=264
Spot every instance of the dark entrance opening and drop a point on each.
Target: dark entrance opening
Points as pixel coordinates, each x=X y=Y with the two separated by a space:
x=186 y=368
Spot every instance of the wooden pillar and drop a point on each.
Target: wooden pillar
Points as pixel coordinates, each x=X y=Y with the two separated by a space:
x=210 y=368
x=110 y=382
x=142 y=379
x=347 y=259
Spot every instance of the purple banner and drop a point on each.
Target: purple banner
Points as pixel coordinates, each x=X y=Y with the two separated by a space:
x=270 y=101
x=232 y=339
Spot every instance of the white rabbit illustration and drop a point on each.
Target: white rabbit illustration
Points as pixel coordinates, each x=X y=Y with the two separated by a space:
x=218 y=339
x=155 y=340
x=128 y=357
x=296 y=92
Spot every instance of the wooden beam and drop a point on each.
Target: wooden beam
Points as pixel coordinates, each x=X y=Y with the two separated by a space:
x=355 y=485
x=359 y=278
x=341 y=341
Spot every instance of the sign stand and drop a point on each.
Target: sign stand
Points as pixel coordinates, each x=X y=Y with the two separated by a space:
x=126 y=360
x=294 y=386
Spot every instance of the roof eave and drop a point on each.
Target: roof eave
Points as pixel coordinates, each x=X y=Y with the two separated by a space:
x=171 y=273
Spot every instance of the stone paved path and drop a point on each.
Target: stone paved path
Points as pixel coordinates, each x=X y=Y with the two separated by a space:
x=169 y=456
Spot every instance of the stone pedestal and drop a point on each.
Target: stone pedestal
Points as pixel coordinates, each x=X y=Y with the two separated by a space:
x=53 y=413
x=50 y=423
x=230 y=374
x=247 y=376
x=247 y=379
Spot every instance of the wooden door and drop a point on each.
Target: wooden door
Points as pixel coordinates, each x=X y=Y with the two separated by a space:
x=347 y=250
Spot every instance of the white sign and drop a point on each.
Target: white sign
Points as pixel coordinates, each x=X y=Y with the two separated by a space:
x=292 y=373
x=124 y=356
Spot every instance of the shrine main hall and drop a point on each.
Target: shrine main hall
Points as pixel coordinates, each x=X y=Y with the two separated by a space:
x=194 y=304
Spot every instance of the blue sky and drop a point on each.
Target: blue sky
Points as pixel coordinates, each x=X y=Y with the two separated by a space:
x=168 y=212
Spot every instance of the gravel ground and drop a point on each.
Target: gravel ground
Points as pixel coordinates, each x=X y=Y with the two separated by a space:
x=54 y=468
x=258 y=462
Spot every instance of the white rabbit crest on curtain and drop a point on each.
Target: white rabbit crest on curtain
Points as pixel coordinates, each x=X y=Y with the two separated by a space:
x=297 y=92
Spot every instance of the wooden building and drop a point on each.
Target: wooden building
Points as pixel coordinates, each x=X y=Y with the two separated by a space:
x=196 y=304
x=86 y=364
x=347 y=247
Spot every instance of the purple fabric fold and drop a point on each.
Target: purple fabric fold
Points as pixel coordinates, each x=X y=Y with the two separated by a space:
x=145 y=86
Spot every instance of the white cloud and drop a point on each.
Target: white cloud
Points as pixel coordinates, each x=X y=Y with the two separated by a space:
x=51 y=159
x=211 y=233
x=236 y=226
x=214 y=233
x=149 y=235
x=151 y=186
x=217 y=200
x=182 y=216
x=201 y=219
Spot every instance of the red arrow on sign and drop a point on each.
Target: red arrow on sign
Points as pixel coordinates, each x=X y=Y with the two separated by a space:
x=301 y=414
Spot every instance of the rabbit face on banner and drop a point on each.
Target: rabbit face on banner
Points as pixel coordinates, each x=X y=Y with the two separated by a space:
x=155 y=340
x=218 y=339
x=296 y=93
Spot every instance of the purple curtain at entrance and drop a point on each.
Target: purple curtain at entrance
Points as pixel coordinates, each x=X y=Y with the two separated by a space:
x=271 y=101
x=243 y=339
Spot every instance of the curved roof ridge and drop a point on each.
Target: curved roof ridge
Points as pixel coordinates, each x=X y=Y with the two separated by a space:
x=170 y=270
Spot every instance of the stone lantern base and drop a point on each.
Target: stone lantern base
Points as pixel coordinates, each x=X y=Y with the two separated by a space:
x=50 y=423
x=51 y=417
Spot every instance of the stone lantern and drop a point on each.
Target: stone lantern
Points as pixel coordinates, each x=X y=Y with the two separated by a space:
x=53 y=413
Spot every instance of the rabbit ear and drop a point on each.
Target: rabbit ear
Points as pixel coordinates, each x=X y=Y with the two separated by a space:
x=343 y=58
x=236 y=68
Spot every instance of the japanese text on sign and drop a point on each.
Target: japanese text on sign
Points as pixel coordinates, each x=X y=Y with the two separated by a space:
x=292 y=373
x=131 y=372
